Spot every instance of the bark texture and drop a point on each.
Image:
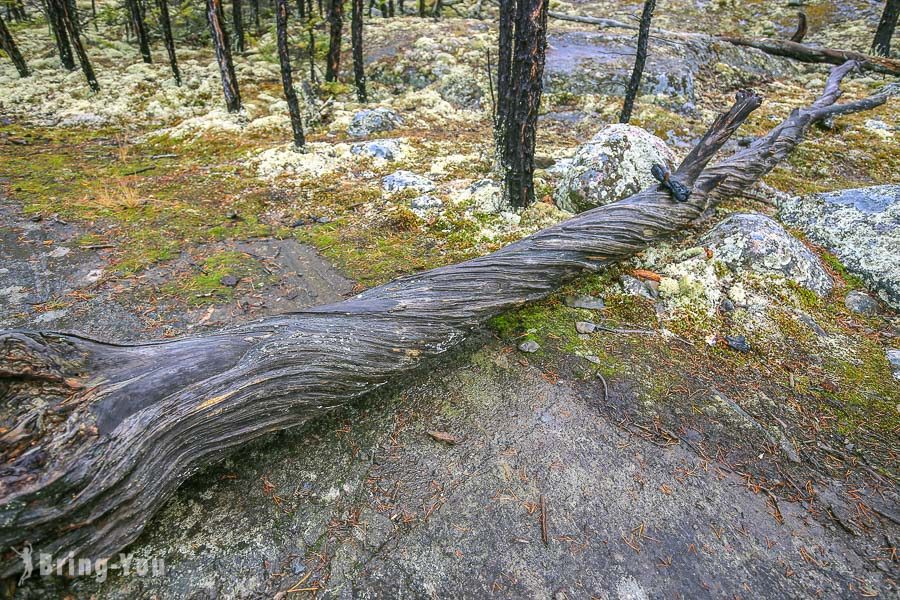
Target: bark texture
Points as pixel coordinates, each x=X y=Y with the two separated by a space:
x=166 y=24
x=62 y=8
x=811 y=54
x=335 y=29
x=800 y=32
x=356 y=38
x=216 y=18
x=640 y=58
x=63 y=48
x=140 y=29
x=237 y=16
x=12 y=51
x=96 y=436
x=522 y=52
x=881 y=44
x=287 y=81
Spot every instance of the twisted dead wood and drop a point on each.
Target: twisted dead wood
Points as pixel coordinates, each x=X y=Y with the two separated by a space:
x=96 y=436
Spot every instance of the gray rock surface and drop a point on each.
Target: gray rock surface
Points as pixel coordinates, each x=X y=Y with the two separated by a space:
x=365 y=504
x=613 y=165
x=861 y=303
x=404 y=180
x=373 y=120
x=860 y=226
x=758 y=243
x=424 y=203
x=893 y=357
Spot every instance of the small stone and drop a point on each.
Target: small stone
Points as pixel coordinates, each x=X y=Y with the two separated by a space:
x=588 y=302
x=321 y=220
x=384 y=149
x=727 y=306
x=404 y=180
x=424 y=203
x=585 y=327
x=737 y=342
x=36 y=219
x=893 y=357
x=369 y=121
x=635 y=287
x=861 y=303
x=228 y=280
x=592 y=358
x=529 y=346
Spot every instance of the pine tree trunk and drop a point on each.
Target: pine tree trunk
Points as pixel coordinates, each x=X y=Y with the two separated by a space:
x=356 y=37
x=215 y=16
x=59 y=34
x=237 y=15
x=881 y=45
x=311 y=46
x=301 y=9
x=166 y=24
x=520 y=84
x=72 y=7
x=383 y=9
x=422 y=9
x=336 y=24
x=254 y=6
x=643 y=41
x=62 y=8
x=286 y=77
x=140 y=30
x=9 y=46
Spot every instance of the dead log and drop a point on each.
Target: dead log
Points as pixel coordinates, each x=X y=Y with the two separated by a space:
x=810 y=54
x=95 y=436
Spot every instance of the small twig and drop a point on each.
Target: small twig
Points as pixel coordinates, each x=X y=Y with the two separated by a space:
x=544 y=534
x=159 y=156
x=141 y=170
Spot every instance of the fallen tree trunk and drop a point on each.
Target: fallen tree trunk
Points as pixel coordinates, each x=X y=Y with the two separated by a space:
x=96 y=436
x=810 y=54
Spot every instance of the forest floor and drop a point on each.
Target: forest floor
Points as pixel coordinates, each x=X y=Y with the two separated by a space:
x=147 y=211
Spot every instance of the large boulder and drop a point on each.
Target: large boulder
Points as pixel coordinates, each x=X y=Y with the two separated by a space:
x=613 y=165
x=860 y=226
x=758 y=243
x=374 y=120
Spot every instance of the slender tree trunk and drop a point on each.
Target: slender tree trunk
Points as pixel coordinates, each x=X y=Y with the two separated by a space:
x=643 y=41
x=281 y=15
x=170 y=41
x=881 y=45
x=422 y=9
x=519 y=81
x=63 y=8
x=312 y=54
x=237 y=15
x=254 y=6
x=301 y=9
x=216 y=18
x=436 y=9
x=391 y=8
x=9 y=46
x=54 y=19
x=383 y=9
x=356 y=37
x=122 y=426
x=140 y=30
x=800 y=32
x=72 y=7
x=336 y=24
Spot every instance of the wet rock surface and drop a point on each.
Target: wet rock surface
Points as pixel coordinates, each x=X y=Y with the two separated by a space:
x=860 y=226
